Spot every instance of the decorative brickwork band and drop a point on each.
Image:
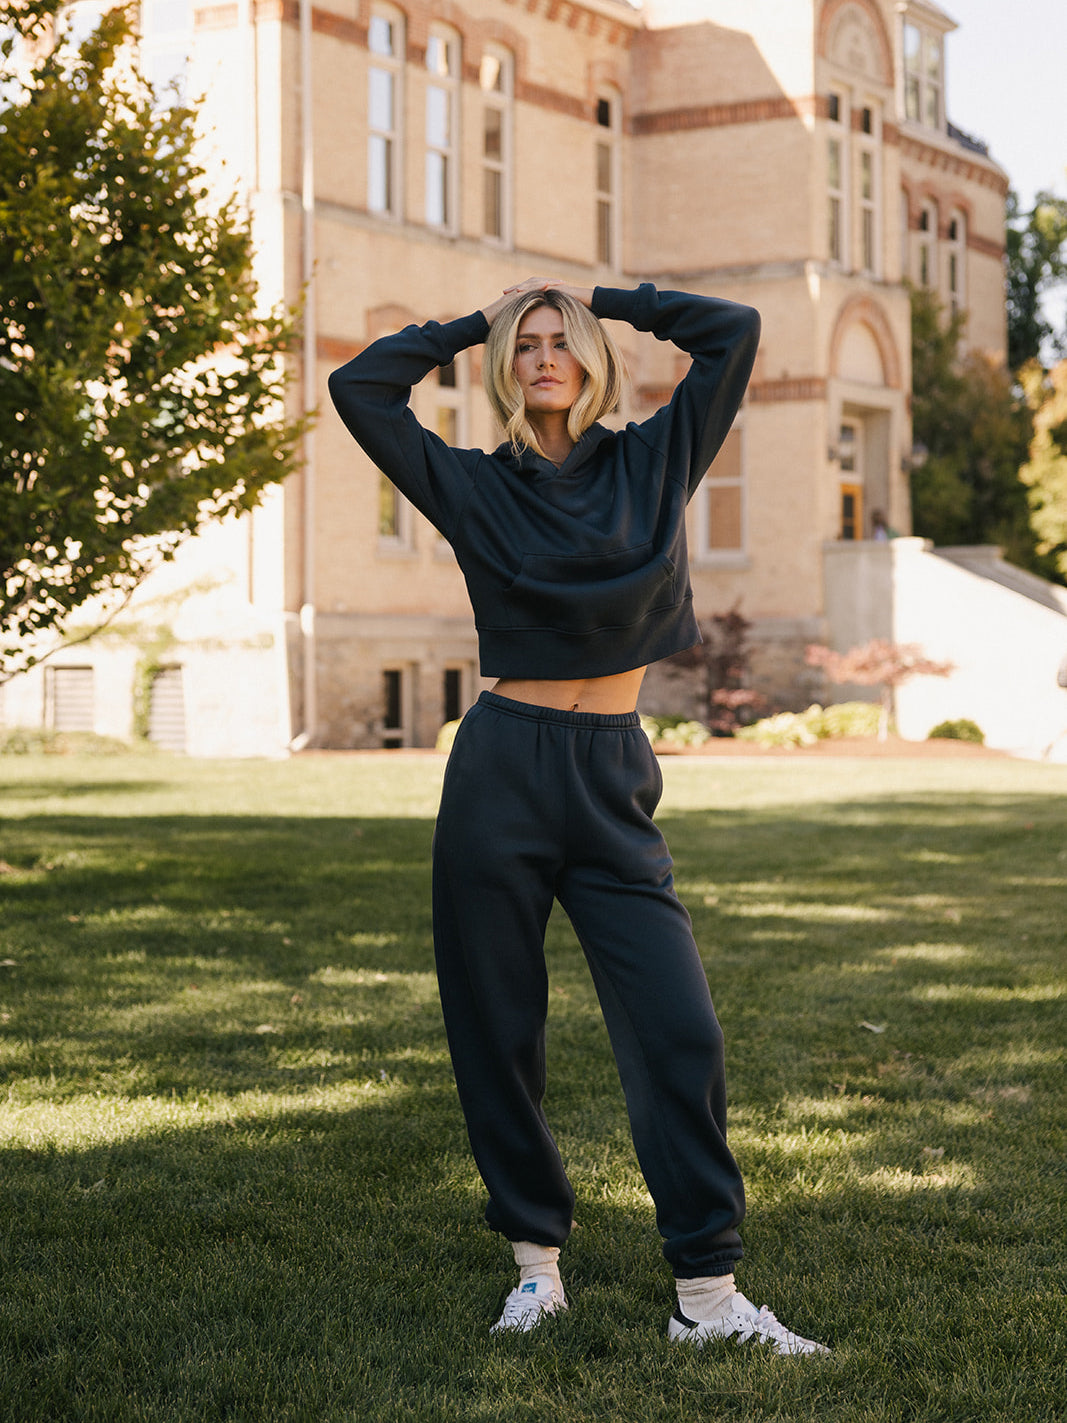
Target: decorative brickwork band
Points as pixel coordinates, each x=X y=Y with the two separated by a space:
x=750 y=111
x=775 y=392
x=985 y=246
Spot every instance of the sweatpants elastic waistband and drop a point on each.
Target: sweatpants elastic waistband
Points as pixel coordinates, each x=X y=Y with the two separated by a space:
x=604 y=721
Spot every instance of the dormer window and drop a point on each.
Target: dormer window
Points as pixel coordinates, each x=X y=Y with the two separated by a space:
x=924 y=76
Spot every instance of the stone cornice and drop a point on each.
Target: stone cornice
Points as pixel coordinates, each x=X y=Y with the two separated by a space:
x=612 y=20
x=948 y=159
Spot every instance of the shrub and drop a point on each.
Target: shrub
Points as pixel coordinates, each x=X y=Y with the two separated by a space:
x=962 y=729
x=35 y=741
x=784 y=729
x=851 y=719
x=816 y=724
x=674 y=731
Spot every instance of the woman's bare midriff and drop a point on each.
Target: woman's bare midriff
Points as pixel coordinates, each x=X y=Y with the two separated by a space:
x=608 y=696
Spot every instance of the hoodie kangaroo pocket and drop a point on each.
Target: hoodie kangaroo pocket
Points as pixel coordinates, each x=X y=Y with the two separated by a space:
x=586 y=593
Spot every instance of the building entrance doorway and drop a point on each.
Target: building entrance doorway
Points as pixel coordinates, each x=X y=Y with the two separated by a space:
x=850 y=459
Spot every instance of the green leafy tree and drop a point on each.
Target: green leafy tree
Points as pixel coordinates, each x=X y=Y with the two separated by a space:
x=1045 y=473
x=976 y=427
x=1037 y=262
x=141 y=386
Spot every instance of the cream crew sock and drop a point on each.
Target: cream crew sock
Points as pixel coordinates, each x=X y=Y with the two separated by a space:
x=540 y=1262
x=706 y=1298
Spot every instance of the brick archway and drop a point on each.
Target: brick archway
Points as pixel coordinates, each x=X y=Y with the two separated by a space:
x=866 y=312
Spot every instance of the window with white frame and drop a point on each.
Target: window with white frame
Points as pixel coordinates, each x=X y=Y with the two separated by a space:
x=166 y=43
x=869 y=185
x=608 y=168
x=496 y=79
x=16 y=62
x=720 y=504
x=450 y=410
x=924 y=76
x=442 y=125
x=957 y=248
x=394 y=518
x=836 y=167
x=385 y=40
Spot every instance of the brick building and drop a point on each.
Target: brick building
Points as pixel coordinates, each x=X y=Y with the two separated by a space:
x=408 y=161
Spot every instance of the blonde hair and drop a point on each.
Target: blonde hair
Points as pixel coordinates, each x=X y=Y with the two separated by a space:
x=588 y=342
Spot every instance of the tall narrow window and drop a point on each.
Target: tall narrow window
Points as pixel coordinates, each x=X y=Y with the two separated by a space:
x=452 y=690
x=441 y=402
x=720 y=507
x=442 y=119
x=166 y=43
x=393 y=708
x=496 y=79
x=957 y=247
x=609 y=128
x=166 y=710
x=867 y=235
x=386 y=44
x=850 y=458
x=388 y=509
x=927 y=245
x=835 y=179
x=923 y=77
x=869 y=195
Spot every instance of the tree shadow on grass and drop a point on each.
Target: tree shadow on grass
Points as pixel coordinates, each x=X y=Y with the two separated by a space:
x=332 y=1264
x=314 y=1248
x=74 y=790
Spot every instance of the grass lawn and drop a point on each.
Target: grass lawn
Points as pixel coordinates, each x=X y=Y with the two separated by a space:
x=235 y=1184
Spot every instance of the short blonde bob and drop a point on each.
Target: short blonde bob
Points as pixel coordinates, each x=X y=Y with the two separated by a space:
x=588 y=342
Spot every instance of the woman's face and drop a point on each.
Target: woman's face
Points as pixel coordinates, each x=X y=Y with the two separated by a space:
x=549 y=376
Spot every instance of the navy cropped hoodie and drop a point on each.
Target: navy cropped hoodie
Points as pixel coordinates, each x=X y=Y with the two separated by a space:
x=578 y=570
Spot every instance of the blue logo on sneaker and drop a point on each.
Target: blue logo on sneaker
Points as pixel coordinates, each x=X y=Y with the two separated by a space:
x=530 y=1288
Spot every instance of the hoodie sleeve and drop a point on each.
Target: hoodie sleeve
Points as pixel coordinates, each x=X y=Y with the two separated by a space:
x=372 y=396
x=722 y=337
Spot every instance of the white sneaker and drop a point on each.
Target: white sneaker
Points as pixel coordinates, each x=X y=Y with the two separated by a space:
x=744 y=1322
x=528 y=1304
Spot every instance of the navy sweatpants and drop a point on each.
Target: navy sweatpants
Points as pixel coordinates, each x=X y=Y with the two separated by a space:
x=540 y=804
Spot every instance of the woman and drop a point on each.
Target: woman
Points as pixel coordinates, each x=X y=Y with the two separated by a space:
x=571 y=539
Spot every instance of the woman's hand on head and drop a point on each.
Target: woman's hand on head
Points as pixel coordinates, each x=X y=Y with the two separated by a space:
x=536 y=284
